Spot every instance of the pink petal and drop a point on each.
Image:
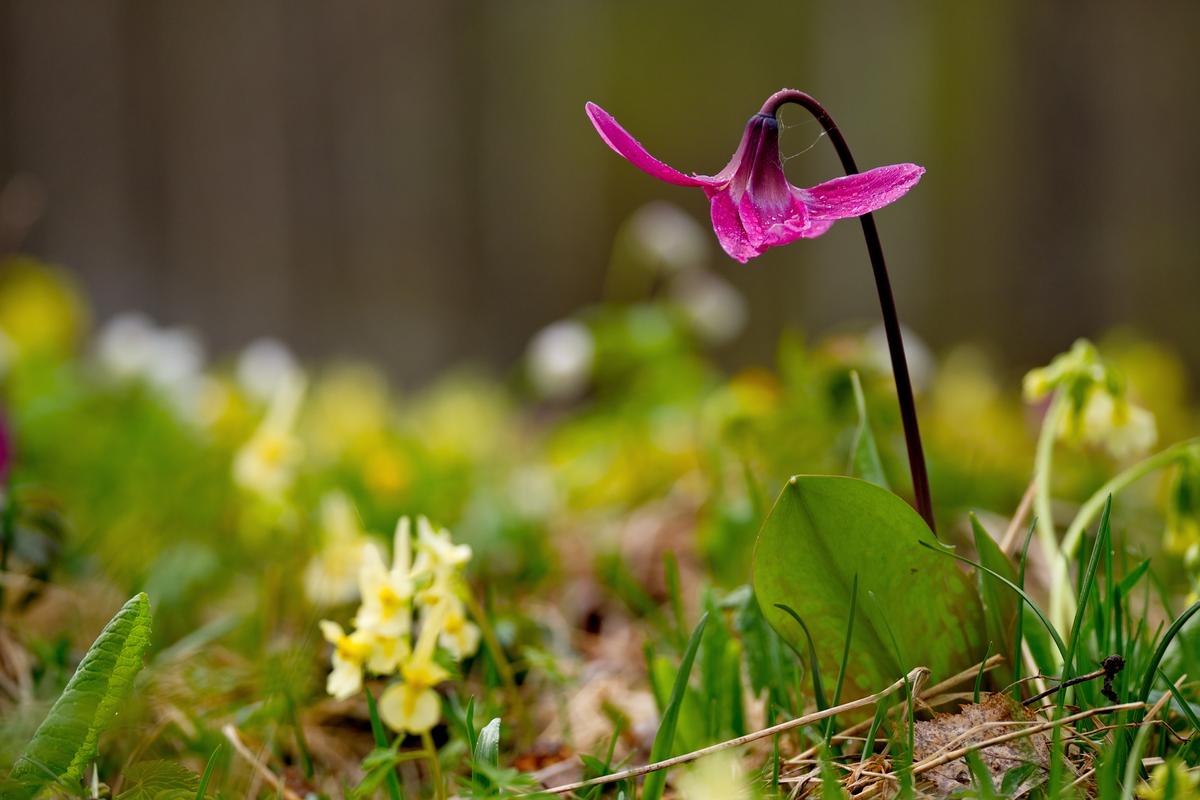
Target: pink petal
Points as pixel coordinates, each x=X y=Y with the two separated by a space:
x=770 y=224
x=855 y=195
x=728 y=226
x=816 y=227
x=632 y=151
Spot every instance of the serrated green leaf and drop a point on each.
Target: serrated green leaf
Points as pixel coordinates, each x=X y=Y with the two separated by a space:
x=825 y=529
x=67 y=739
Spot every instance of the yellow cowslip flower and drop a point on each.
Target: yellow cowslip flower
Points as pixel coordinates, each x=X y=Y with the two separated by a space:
x=387 y=653
x=1096 y=410
x=331 y=576
x=1079 y=364
x=412 y=704
x=387 y=594
x=717 y=777
x=350 y=653
x=1111 y=421
x=266 y=465
x=1170 y=781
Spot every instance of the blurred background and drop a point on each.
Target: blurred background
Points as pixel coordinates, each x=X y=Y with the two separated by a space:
x=416 y=183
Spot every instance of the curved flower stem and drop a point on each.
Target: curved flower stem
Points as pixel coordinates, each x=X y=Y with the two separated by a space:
x=1062 y=600
x=1089 y=510
x=887 y=302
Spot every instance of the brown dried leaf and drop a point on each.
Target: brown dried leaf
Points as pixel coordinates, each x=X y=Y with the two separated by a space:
x=997 y=714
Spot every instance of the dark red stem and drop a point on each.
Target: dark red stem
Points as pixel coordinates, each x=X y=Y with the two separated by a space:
x=887 y=302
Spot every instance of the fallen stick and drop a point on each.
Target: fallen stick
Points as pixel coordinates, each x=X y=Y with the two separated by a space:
x=914 y=678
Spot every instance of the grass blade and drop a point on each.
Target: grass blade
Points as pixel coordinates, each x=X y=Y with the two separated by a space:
x=208 y=772
x=665 y=738
x=1085 y=593
x=1058 y=642
x=393 y=782
x=841 y=678
x=818 y=686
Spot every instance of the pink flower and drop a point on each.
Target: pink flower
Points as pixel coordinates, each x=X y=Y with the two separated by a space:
x=753 y=205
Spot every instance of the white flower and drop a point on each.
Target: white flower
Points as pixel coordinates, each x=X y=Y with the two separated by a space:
x=264 y=366
x=560 y=359
x=716 y=310
x=387 y=594
x=1124 y=429
x=331 y=576
x=436 y=552
x=669 y=236
x=350 y=651
x=132 y=347
x=266 y=464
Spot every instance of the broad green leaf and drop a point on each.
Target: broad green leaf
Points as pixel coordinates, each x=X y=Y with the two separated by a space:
x=999 y=601
x=864 y=454
x=67 y=739
x=824 y=530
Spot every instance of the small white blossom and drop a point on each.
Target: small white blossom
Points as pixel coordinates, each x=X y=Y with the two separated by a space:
x=560 y=360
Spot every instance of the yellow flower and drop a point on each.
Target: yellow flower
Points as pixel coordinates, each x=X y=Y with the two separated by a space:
x=718 y=777
x=412 y=705
x=387 y=594
x=266 y=465
x=1079 y=364
x=1097 y=411
x=331 y=576
x=1113 y=422
x=350 y=652
x=387 y=653
x=41 y=309
x=460 y=637
x=1170 y=781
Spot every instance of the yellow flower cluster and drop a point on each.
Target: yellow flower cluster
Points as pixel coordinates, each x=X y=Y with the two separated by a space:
x=1097 y=411
x=421 y=596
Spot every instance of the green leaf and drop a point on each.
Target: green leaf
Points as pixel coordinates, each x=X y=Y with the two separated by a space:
x=825 y=529
x=67 y=739
x=864 y=454
x=487 y=746
x=664 y=740
x=202 y=789
x=999 y=602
